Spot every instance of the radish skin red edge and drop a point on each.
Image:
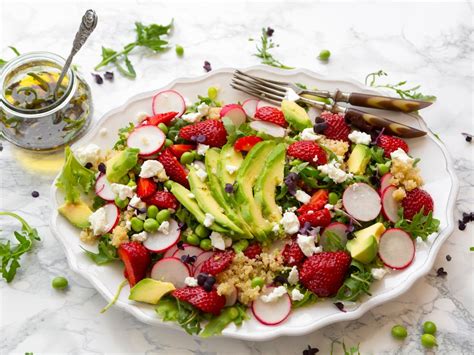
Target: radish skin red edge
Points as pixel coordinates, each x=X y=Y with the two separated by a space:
x=396 y=249
x=235 y=113
x=170 y=270
x=159 y=242
x=103 y=189
x=190 y=250
x=250 y=107
x=112 y=215
x=269 y=128
x=272 y=313
x=148 y=139
x=385 y=182
x=389 y=205
x=361 y=201
x=168 y=101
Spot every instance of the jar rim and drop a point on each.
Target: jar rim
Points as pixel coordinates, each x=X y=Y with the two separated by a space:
x=36 y=57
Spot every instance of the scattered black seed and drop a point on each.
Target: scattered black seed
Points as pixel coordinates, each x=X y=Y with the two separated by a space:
x=229 y=188
x=461 y=225
x=310 y=351
x=441 y=273
x=109 y=75
x=35 y=194
x=320 y=127
x=270 y=31
x=305 y=229
x=468 y=137
x=180 y=245
x=280 y=279
x=201 y=279
x=207 y=66
x=88 y=165
x=98 y=78
x=102 y=168
x=340 y=306
x=448 y=257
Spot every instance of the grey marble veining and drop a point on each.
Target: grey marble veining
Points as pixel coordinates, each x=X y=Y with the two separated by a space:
x=430 y=43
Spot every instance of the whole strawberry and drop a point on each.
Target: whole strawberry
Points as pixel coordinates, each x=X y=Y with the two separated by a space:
x=271 y=114
x=253 y=250
x=173 y=167
x=390 y=144
x=208 y=302
x=324 y=273
x=320 y=218
x=308 y=151
x=217 y=263
x=136 y=259
x=292 y=254
x=162 y=199
x=209 y=132
x=414 y=201
x=336 y=126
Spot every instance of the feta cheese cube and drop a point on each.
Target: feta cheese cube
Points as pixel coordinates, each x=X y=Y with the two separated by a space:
x=140 y=237
x=136 y=202
x=191 y=281
x=302 y=196
x=378 y=273
x=290 y=223
x=308 y=135
x=122 y=191
x=307 y=246
x=276 y=293
x=358 y=137
x=402 y=156
x=201 y=174
x=98 y=221
x=152 y=168
x=217 y=240
x=208 y=220
x=90 y=153
x=164 y=227
x=231 y=169
x=296 y=295
x=202 y=149
x=293 y=276
x=333 y=171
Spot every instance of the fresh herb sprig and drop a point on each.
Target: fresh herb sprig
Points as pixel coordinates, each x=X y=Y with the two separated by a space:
x=263 y=50
x=400 y=88
x=3 y=61
x=10 y=254
x=357 y=284
x=106 y=252
x=353 y=350
x=420 y=226
x=147 y=36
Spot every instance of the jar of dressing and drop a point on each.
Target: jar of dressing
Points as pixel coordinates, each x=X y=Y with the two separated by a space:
x=32 y=116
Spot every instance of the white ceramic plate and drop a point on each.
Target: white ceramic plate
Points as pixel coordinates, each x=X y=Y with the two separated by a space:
x=436 y=167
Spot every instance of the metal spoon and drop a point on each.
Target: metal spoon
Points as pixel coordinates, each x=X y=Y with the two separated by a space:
x=88 y=24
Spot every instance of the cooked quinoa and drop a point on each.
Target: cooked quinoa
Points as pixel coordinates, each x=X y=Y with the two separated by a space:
x=119 y=236
x=87 y=236
x=405 y=175
x=338 y=147
x=214 y=113
x=399 y=194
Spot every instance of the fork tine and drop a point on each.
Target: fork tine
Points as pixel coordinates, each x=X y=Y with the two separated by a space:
x=259 y=87
x=274 y=96
x=282 y=83
x=262 y=84
x=262 y=81
x=256 y=94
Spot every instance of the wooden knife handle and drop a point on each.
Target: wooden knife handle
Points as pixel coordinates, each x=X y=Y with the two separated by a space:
x=386 y=102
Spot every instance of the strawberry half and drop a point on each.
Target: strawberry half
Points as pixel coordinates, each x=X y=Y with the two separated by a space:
x=389 y=144
x=145 y=187
x=208 y=302
x=292 y=254
x=319 y=218
x=180 y=149
x=336 y=126
x=218 y=262
x=162 y=199
x=165 y=118
x=318 y=200
x=271 y=114
x=210 y=132
x=414 y=201
x=245 y=144
x=308 y=151
x=136 y=259
x=173 y=167
x=324 y=273
x=253 y=250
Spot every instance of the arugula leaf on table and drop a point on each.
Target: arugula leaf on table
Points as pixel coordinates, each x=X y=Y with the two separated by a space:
x=263 y=50
x=10 y=254
x=420 y=226
x=106 y=252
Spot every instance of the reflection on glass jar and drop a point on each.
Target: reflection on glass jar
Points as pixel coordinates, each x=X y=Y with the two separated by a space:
x=33 y=114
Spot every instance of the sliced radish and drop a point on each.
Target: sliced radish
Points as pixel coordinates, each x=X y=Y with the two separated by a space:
x=170 y=270
x=396 y=248
x=103 y=189
x=361 y=201
x=190 y=250
x=148 y=139
x=112 y=216
x=159 y=242
x=231 y=298
x=385 y=182
x=269 y=128
x=250 y=106
x=235 y=112
x=262 y=103
x=340 y=229
x=169 y=252
x=272 y=313
x=313 y=112
x=205 y=255
x=197 y=268
x=168 y=101
x=389 y=205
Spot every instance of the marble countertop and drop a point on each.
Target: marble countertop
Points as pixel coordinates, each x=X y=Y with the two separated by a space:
x=427 y=43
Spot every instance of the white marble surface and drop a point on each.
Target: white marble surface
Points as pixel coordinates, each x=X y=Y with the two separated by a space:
x=427 y=42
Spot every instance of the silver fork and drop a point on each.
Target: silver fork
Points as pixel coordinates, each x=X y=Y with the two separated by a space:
x=275 y=91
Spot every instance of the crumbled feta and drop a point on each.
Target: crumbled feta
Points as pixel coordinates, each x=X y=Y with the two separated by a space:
x=136 y=202
x=291 y=95
x=302 y=196
x=201 y=174
x=203 y=109
x=164 y=227
x=202 y=149
x=378 y=273
x=315 y=159
x=217 y=241
x=290 y=223
x=333 y=171
x=308 y=135
x=122 y=191
x=328 y=206
x=190 y=281
x=307 y=246
x=359 y=137
x=276 y=228
x=227 y=242
x=401 y=155
x=191 y=195
x=98 y=221
x=192 y=117
x=231 y=169
x=293 y=276
x=103 y=131
x=88 y=154
x=128 y=225
x=208 y=220
x=296 y=295
x=141 y=116
x=276 y=293
x=140 y=237
x=151 y=168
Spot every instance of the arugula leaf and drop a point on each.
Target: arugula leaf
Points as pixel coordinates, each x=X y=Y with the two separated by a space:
x=106 y=252
x=333 y=241
x=74 y=178
x=356 y=284
x=123 y=135
x=188 y=317
x=263 y=51
x=308 y=298
x=217 y=324
x=420 y=226
x=11 y=254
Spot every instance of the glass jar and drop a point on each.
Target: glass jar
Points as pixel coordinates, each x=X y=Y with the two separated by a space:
x=32 y=116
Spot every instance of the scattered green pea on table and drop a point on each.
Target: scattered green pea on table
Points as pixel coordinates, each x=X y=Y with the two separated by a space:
x=399 y=332
x=428 y=340
x=429 y=327
x=324 y=54
x=59 y=283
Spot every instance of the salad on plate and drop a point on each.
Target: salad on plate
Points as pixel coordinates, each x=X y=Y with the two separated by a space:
x=218 y=208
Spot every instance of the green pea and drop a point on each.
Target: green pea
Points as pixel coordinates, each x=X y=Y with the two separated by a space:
x=137 y=224
x=212 y=92
x=132 y=183
x=121 y=203
x=162 y=216
x=233 y=312
x=187 y=158
x=168 y=142
x=179 y=50
x=324 y=54
x=205 y=244
x=163 y=128
x=428 y=340
x=151 y=225
x=168 y=184
x=257 y=281
x=59 y=282
x=333 y=198
x=241 y=245
x=193 y=239
x=202 y=232
x=152 y=211
x=399 y=332
x=429 y=327
x=382 y=169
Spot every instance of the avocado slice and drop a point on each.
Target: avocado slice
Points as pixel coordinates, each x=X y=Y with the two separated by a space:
x=150 y=291
x=248 y=173
x=295 y=115
x=271 y=176
x=363 y=249
x=375 y=229
x=120 y=164
x=208 y=204
x=358 y=160
x=228 y=156
x=77 y=213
